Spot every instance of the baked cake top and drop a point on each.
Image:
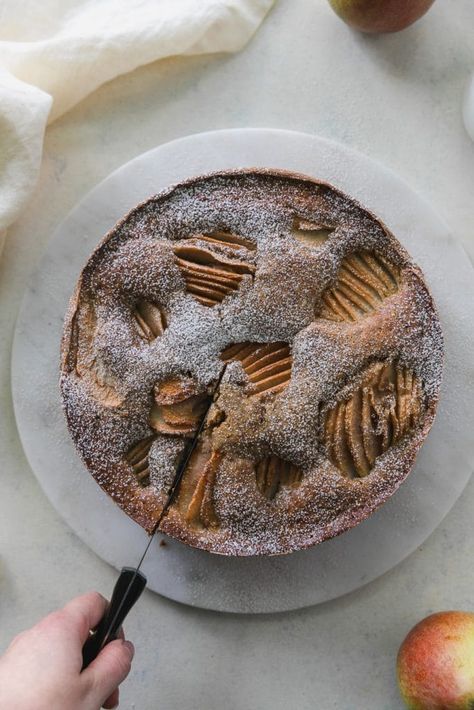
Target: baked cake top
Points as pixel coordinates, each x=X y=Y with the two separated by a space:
x=331 y=345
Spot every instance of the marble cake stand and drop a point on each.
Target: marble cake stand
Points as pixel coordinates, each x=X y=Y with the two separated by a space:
x=255 y=584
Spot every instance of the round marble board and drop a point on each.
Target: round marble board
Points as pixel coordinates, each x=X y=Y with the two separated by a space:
x=195 y=577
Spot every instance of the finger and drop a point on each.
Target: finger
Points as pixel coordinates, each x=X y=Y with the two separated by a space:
x=85 y=612
x=108 y=670
x=112 y=701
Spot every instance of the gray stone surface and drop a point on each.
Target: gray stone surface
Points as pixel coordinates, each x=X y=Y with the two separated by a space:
x=397 y=98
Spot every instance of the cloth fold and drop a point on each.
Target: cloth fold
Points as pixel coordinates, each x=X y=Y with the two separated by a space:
x=55 y=52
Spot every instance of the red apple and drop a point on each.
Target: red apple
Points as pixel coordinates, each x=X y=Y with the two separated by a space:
x=380 y=15
x=435 y=664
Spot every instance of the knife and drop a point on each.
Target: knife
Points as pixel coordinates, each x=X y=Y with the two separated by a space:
x=131 y=581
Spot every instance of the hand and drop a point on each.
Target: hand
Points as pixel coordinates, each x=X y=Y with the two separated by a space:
x=41 y=669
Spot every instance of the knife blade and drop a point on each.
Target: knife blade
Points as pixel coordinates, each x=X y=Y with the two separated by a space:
x=131 y=582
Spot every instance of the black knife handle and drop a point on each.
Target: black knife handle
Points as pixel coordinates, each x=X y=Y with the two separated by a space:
x=127 y=591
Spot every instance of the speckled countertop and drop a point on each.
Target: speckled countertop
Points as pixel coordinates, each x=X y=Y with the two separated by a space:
x=396 y=98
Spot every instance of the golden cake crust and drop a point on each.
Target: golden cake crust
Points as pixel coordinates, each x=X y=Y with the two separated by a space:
x=331 y=345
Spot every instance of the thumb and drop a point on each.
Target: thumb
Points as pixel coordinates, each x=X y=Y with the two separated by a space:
x=109 y=669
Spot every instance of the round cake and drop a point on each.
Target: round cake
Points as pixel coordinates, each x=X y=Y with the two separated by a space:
x=289 y=318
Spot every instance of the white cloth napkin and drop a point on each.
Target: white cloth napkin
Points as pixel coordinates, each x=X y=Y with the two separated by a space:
x=55 y=52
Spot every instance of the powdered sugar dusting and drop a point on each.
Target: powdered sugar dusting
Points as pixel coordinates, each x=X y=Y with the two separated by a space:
x=280 y=301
